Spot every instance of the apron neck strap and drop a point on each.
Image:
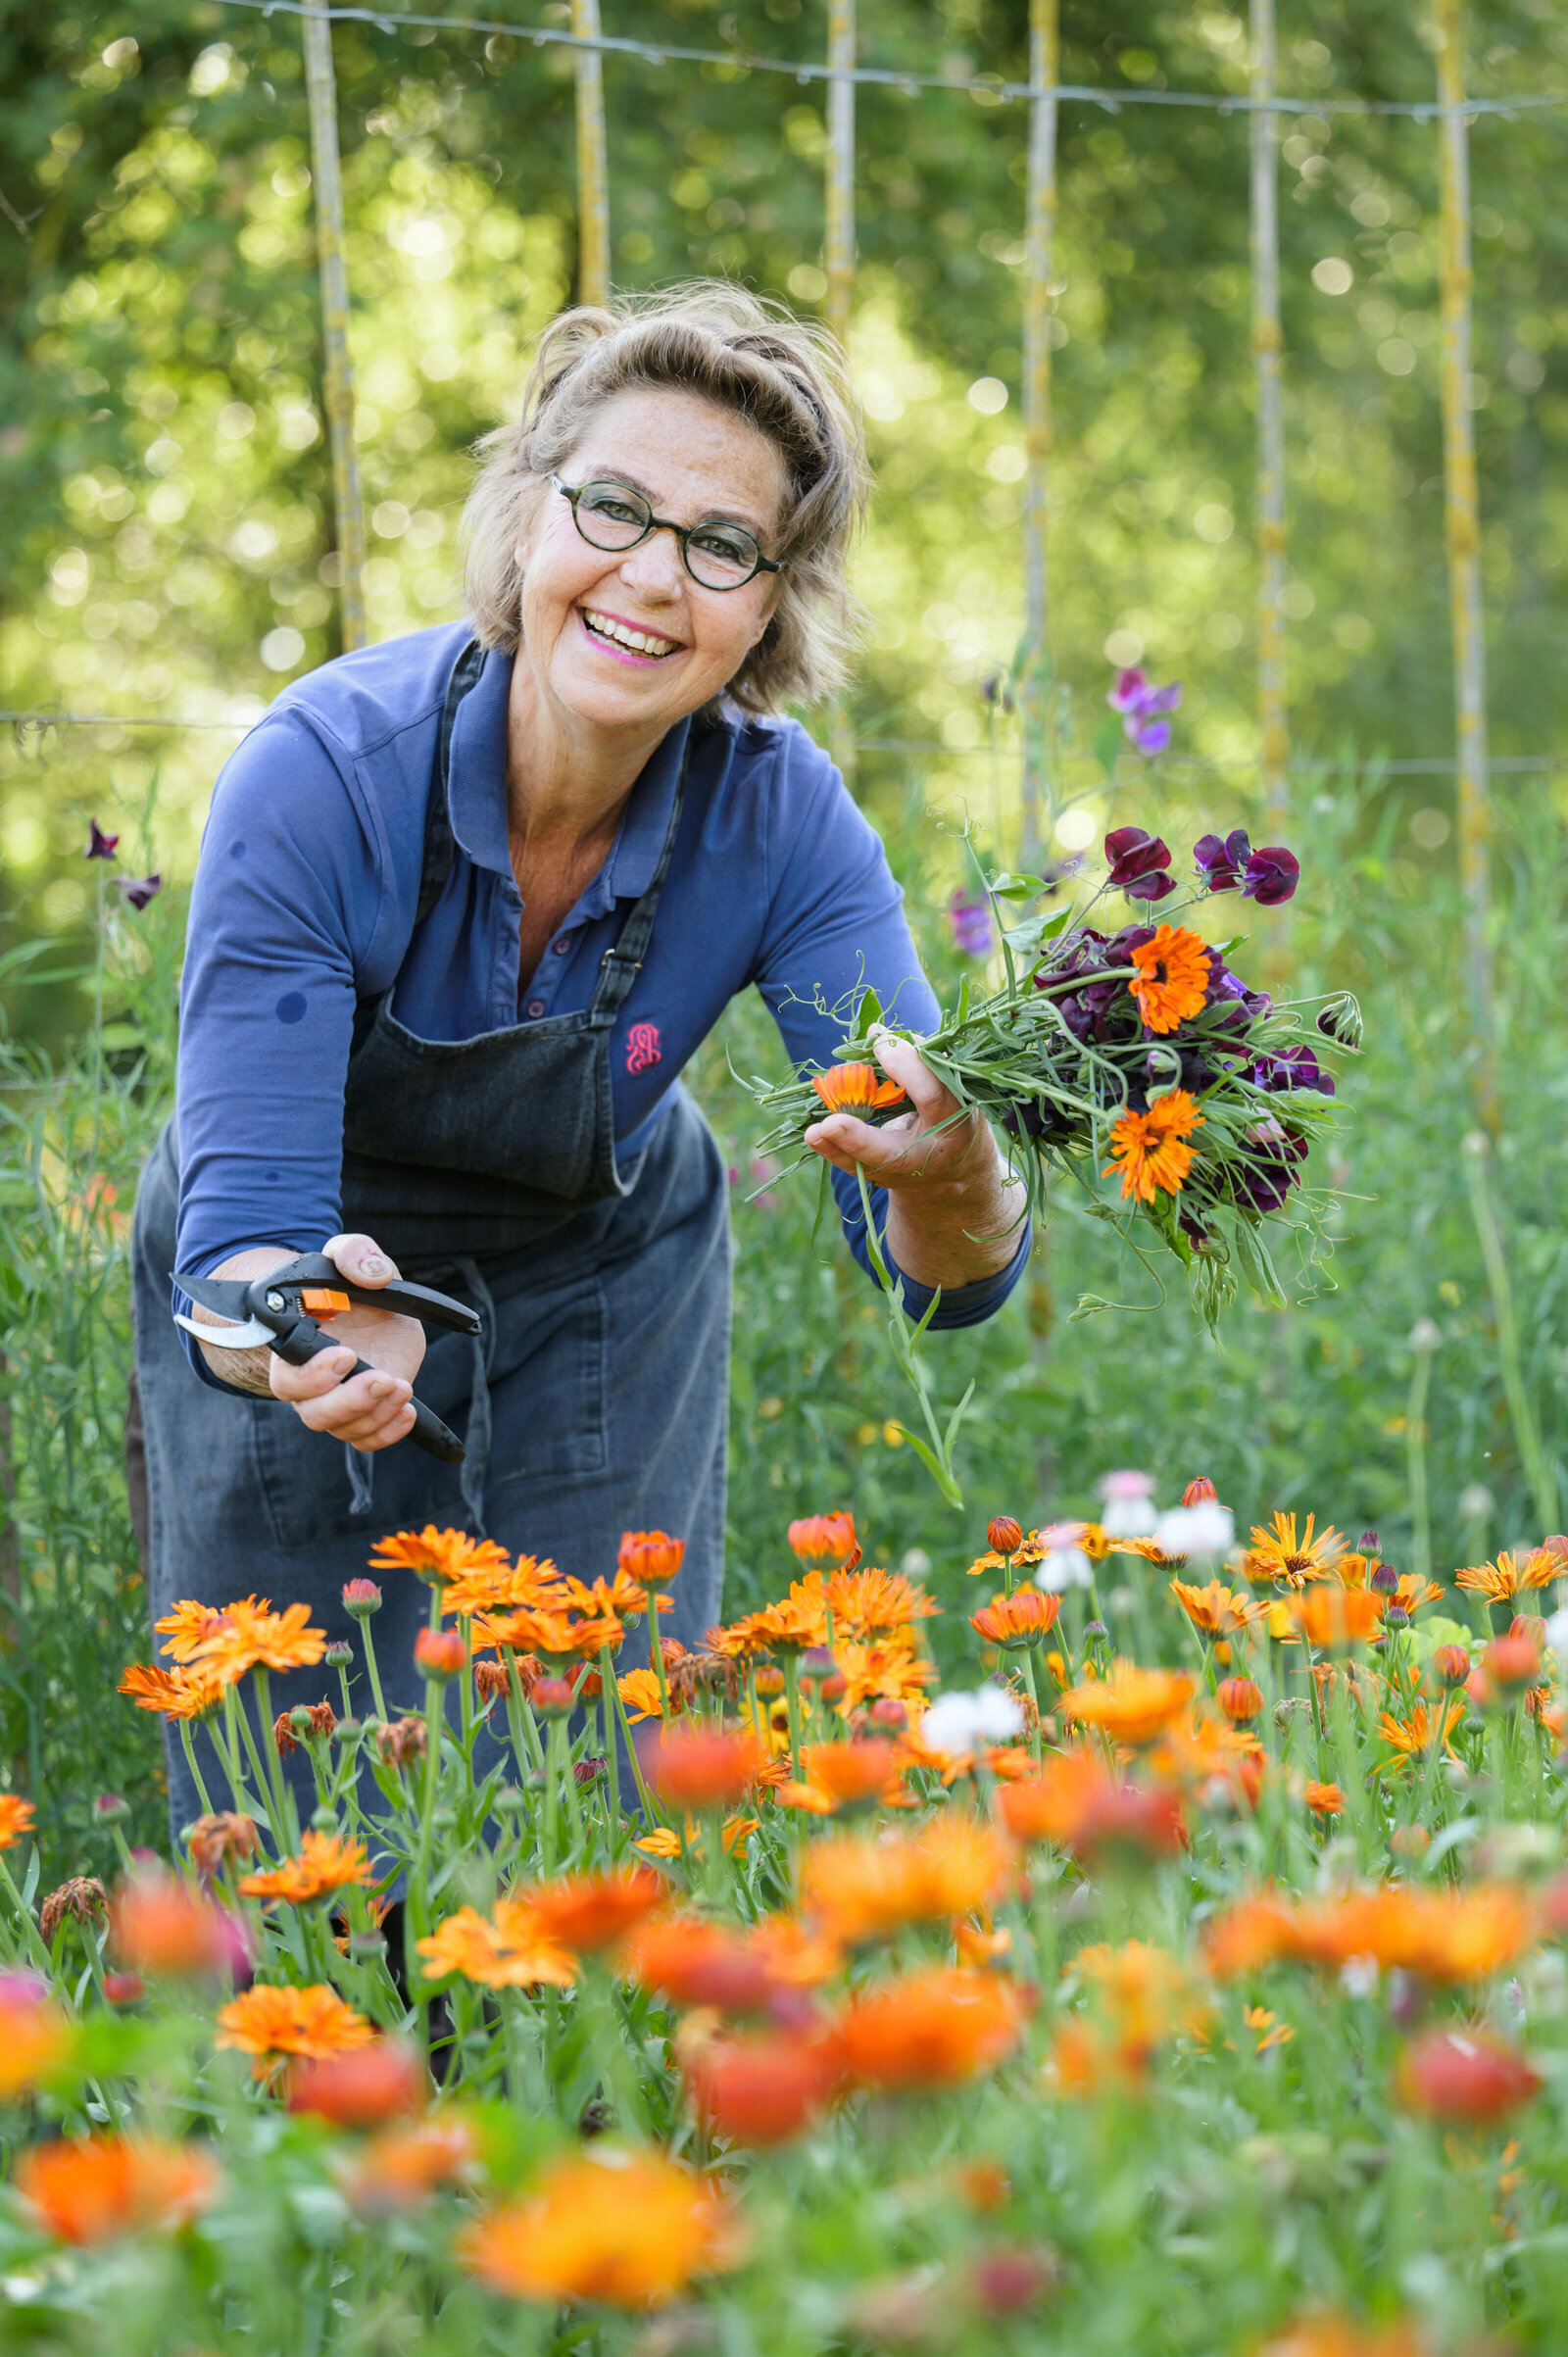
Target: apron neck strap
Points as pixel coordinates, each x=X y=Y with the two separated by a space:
x=438 y=843
x=620 y=964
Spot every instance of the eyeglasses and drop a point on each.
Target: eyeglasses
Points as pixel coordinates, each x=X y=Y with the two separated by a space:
x=716 y=554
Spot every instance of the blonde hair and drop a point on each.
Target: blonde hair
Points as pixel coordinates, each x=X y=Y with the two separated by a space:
x=784 y=376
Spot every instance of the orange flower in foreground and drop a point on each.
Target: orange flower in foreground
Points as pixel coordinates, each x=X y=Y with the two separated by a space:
x=269 y=2022
x=1140 y=1995
x=399 y=2168
x=491 y=1587
x=1464 y=2075
x=1171 y=981
x=1150 y=1151
x=106 y=2185
x=930 y=2027
x=664 y=1842
x=1511 y=1575
x=33 y=2038
x=1277 y=1554
x=1132 y=1705
x=856 y=1089
x=621 y=2228
x=188 y=1625
x=1026 y=1617
x=700 y=1767
x=651 y=1557
x=1324 y=1799
x=505 y=1952
x=1335 y=1617
x=177 y=1693
x=16 y=1819
x=840 y=1775
x=1331 y=2334
x=326 y=1862
x=761 y=2088
x=1447 y=1936
x=588 y=1912
x=825 y=1539
x=639 y=1692
x=1415 y=1735
x=361 y=2089
x=881 y=1673
x=1240 y=1699
x=438 y=1555
x=861 y=1888
x=1076 y=1803
x=691 y=1960
x=1215 y=1610
x=252 y=1638
x=160 y=1924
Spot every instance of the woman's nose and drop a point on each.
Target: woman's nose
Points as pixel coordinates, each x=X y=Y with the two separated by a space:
x=654 y=566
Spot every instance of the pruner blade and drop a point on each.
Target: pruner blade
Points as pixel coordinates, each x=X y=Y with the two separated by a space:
x=251 y=1336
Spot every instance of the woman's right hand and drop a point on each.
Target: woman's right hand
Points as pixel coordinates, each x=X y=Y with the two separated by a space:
x=374 y=1409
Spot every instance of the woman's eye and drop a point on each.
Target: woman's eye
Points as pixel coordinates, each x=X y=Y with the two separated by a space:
x=733 y=548
x=619 y=511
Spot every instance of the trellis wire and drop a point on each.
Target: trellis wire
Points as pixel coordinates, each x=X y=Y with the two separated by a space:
x=337 y=369
x=1039 y=228
x=1267 y=361
x=593 y=165
x=1461 y=505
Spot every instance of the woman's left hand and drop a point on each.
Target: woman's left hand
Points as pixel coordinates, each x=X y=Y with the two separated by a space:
x=954 y=1213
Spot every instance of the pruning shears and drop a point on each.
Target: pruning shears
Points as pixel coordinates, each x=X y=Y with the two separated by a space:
x=280 y=1311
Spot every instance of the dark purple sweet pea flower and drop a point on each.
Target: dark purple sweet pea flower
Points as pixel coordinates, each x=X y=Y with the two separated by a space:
x=1138 y=864
x=1220 y=859
x=99 y=845
x=969 y=920
x=1291 y=1068
x=139 y=890
x=1127 y=696
x=1143 y=708
x=1272 y=876
x=1264 y=1183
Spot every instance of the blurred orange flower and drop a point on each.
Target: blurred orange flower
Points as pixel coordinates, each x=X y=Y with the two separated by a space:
x=1140 y=1995
x=16 y=1819
x=1324 y=1799
x=160 y=1924
x=585 y=1912
x=840 y=1775
x=1332 y=1617
x=861 y=1889
x=1331 y=2334
x=326 y=1862
x=825 y=1539
x=1076 y=1803
x=1026 y=1617
x=269 y=2022
x=700 y=1767
x=35 y=2036
x=1511 y=1575
x=504 y=1950
x=177 y=1693
x=1447 y=1936
x=1468 y=2075
x=620 y=2229
x=930 y=2027
x=764 y=2087
x=360 y=2089
x=107 y=2185
x=1216 y=1610
x=1131 y=1705
x=400 y=2167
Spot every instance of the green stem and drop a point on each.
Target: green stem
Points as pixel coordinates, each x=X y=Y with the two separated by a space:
x=791 y=1665
x=1477 y=1149
x=33 y=1938
x=188 y=1741
x=606 y=1701
x=1415 y=1445
x=373 y=1670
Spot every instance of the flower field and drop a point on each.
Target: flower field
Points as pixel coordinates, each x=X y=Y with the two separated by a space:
x=1182 y=1974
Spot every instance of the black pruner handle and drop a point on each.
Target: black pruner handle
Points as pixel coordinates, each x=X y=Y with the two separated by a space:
x=305 y=1341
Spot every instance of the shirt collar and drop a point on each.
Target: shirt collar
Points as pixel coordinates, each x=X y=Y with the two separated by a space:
x=476 y=795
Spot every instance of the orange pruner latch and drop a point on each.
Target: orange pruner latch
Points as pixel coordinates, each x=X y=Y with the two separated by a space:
x=321 y=1301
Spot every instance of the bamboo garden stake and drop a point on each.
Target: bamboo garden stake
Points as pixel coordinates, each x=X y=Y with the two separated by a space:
x=1039 y=228
x=1267 y=353
x=838 y=251
x=592 y=171
x=337 y=370
x=1462 y=514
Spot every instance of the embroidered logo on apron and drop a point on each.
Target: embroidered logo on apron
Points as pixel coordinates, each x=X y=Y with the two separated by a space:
x=642 y=1050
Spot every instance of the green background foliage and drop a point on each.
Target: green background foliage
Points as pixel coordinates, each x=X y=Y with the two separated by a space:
x=168 y=550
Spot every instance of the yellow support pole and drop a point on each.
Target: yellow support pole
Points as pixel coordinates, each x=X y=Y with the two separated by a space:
x=1268 y=355
x=1461 y=508
x=1040 y=222
x=337 y=370
x=592 y=171
x=838 y=251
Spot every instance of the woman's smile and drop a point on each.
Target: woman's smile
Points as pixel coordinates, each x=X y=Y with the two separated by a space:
x=625 y=641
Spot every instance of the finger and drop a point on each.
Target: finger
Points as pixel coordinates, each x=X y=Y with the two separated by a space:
x=361 y=1259
x=365 y=1432
x=322 y=1374
x=844 y=1141
x=901 y=1060
x=366 y=1400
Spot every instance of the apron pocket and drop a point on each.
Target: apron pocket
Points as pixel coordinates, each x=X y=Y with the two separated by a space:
x=548 y=1384
x=303 y=1477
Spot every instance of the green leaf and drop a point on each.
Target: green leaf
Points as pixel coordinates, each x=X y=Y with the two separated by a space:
x=1107 y=743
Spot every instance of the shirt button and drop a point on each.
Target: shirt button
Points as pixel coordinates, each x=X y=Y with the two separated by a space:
x=536 y=1006
x=561 y=947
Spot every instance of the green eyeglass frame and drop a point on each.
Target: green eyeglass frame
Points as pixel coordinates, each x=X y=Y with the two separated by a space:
x=743 y=548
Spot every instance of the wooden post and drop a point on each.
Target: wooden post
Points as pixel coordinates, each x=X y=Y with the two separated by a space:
x=1462 y=515
x=1267 y=352
x=592 y=171
x=337 y=370
x=1039 y=228
x=837 y=256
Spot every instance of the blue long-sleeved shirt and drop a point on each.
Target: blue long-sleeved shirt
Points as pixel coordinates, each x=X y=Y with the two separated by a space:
x=305 y=900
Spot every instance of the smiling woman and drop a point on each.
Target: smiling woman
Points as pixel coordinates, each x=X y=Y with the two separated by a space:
x=468 y=902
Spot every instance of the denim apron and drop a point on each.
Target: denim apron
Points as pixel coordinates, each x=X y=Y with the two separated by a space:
x=594 y=1401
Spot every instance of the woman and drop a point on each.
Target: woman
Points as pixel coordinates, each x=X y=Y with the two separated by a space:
x=466 y=903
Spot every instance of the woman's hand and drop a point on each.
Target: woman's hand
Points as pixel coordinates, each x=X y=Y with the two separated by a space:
x=374 y=1409
x=953 y=1211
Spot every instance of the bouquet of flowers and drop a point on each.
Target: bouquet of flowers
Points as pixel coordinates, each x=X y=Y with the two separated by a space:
x=1132 y=1060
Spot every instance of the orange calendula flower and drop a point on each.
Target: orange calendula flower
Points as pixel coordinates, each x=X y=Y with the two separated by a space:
x=1216 y=1610
x=664 y=1843
x=326 y=1862
x=1026 y=1617
x=882 y=1673
x=34 y=2036
x=16 y=1819
x=1331 y=2335
x=553 y=1635
x=700 y=1767
x=438 y=1555
x=1132 y=1705
x=402 y=2165
x=930 y=2027
x=1332 y=1617
x=177 y=1693
x=1415 y=1735
x=91 y=2191
x=269 y=2022
x=1150 y=1151
x=251 y=1637
x=860 y=1889
x=845 y=1776
x=1077 y=1803
x=506 y=1950
x=1324 y=1799
x=692 y=1960
x=1511 y=1575
x=618 y=2229
x=1172 y=977
x=189 y=1625
x=871 y=1603
x=161 y=1925
x=651 y=1557
x=639 y=1692
x=793 y=1626
x=584 y=1912
x=497 y=1587
x=1142 y=1994
x=1276 y=1554
x=1447 y=1936
x=1030 y=1550
x=825 y=1539
x=857 y=1088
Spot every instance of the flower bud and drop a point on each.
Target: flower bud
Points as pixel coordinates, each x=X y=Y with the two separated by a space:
x=1464 y=2075
x=1003 y=1536
x=1367 y=1544
x=887 y=1712
x=1240 y=1699
x=362 y=1598
x=551 y=1699
x=338 y=1656
x=1096 y=1633
x=1383 y=1580
x=1200 y=1492
x=439 y=1652
x=1396 y=1617
x=1452 y=1664
x=110 y=1809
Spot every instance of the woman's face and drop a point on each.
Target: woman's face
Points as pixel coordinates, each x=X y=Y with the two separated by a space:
x=691 y=462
